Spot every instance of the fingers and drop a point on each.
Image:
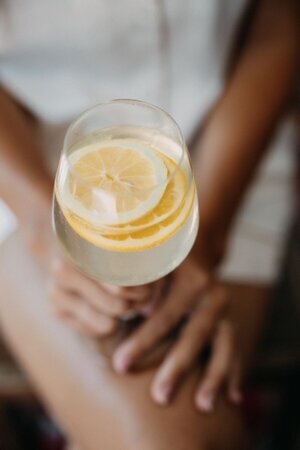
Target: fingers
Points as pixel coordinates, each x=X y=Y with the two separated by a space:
x=70 y=279
x=148 y=308
x=177 y=304
x=235 y=382
x=148 y=334
x=186 y=351
x=134 y=293
x=80 y=315
x=85 y=304
x=218 y=367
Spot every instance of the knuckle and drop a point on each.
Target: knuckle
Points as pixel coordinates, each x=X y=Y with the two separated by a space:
x=111 y=306
x=118 y=290
x=109 y=327
x=60 y=269
x=120 y=308
x=112 y=289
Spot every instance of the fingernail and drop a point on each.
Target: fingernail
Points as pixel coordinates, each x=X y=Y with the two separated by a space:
x=205 y=401
x=121 y=363
x=162 y=393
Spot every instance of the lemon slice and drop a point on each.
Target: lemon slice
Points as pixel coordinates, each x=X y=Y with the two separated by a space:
x=114 y=182
x=137 y=240
x=169 y=203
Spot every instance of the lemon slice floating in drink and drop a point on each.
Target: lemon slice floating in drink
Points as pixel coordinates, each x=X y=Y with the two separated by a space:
x=125 y=196
x=113 y=184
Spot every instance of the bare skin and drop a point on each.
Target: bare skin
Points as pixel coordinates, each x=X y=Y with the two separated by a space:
x=96 y=407
x=227 y=154
x=232 y=145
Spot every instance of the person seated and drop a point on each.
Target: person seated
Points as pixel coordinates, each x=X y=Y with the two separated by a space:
x=95 y=387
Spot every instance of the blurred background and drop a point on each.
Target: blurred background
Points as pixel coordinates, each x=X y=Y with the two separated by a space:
x=272 y=396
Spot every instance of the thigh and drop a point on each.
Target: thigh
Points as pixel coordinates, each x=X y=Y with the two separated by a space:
x=248 y=311
x=96 y=407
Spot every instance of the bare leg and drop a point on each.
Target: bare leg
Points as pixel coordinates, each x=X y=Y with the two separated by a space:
x=72 y=447
x=97 y=408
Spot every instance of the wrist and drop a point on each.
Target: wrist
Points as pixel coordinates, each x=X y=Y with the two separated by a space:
x=210 y=245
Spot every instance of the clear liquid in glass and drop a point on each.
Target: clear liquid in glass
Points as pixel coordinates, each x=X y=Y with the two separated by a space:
x=135 y=267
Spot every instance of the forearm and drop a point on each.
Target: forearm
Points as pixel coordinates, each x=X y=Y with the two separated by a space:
x=25 y=184
x=243 y=120
x=24 y=181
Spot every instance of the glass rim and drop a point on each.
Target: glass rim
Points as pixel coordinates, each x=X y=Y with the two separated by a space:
x=90 y=110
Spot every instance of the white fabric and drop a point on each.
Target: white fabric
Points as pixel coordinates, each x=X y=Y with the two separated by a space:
x=61 y=57
x=259 y=235
x=7 y=222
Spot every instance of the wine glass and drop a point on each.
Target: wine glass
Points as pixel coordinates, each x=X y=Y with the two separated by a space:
x=125 y=207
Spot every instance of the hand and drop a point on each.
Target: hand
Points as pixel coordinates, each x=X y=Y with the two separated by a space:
x=193 y=295
x=90 y=307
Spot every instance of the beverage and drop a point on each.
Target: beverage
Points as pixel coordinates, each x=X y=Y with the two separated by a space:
x=119 y=236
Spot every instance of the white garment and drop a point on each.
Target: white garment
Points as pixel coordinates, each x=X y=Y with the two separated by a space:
x=259 y=236
x=61 y=57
